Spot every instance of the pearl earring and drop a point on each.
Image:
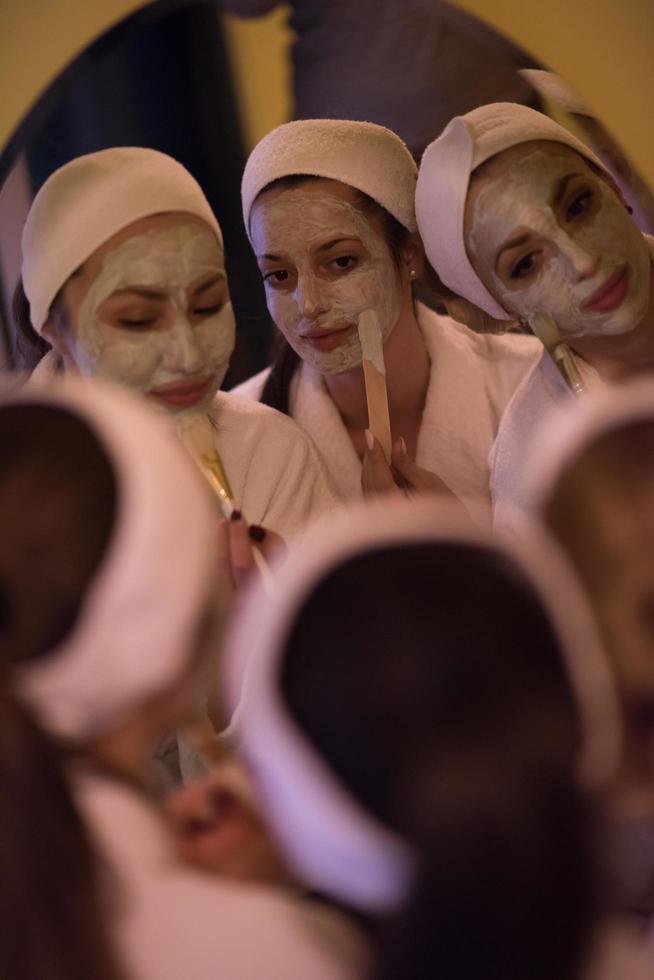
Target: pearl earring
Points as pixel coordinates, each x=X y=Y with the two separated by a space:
x=413 y=273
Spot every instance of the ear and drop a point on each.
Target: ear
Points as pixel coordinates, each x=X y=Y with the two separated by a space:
x=413 y=257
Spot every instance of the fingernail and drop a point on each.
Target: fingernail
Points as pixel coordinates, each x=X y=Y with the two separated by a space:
x=256 y=532
x=236 y=515
x=402 y=445
x=370 y=440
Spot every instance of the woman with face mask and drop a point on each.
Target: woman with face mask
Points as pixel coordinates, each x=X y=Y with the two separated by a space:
x=520 y=220
x=415 y=765
x=109 y=610
x=329 y=209
x=124 y=276
x=593 y=485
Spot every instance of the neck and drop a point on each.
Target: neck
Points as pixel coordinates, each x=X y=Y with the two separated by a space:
x=618 y=358
x=407 y=380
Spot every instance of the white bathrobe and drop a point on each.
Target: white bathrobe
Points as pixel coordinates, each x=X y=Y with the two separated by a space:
x=277 y=477
x=171 y=922
x=542 y=391
x=472 y=378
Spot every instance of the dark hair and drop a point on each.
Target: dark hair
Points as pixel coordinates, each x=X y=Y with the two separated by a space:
x=28 y=346
x=276 y=390
x=57 y=510
x=430 y=680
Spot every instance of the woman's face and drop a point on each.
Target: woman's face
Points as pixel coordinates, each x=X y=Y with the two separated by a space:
x=323 y=262
x=545 y=233
x=150 y=309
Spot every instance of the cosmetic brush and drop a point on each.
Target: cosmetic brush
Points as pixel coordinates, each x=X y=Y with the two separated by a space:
x=198 y=437
x=374 y=373
x=545 y=328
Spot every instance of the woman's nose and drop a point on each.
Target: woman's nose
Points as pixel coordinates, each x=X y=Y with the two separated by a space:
x=309 y=297
x=184 y=353
x=582 y=263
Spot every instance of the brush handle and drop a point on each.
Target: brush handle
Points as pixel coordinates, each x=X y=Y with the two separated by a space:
x=565 y=362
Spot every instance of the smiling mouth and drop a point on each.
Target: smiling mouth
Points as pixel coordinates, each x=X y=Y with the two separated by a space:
x=609 y=296
x=182 y=394
x=326 y=340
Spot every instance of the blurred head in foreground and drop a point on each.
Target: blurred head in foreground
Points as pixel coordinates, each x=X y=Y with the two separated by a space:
x=421 y=706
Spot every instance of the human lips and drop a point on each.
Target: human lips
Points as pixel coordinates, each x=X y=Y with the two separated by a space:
x=327 y=338
x=611 y=294
x=182 y=394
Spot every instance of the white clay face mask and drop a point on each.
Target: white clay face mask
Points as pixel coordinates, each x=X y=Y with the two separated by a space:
x=576 y=248
x=169 y=262
x=315 y=295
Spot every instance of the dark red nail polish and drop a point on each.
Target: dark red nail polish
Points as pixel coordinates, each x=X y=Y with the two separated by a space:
x=257 y=533
x=236 y=515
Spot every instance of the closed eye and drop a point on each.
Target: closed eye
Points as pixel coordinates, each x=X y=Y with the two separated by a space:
x=208 y=310
x=137 y=324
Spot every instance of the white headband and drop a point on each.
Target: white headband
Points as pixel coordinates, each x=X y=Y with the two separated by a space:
x=363 y=155
x=82 y=204
x=565 y=434
x=331 y=840
x=134 y=632
x=443 y=180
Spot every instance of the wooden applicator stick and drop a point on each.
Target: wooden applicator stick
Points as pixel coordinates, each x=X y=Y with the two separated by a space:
x=545 y=328
x=374 y=372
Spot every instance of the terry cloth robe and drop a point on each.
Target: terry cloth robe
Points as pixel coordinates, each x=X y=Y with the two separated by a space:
x=277 y=477
x=171 y=922
x=472 y=378
x=542 y=391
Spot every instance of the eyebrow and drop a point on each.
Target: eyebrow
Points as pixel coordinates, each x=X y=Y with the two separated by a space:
x=146 y=293
x=512 y=243
x=321 y=248
x=336 y=241
x=208 y=284
x=140 y=291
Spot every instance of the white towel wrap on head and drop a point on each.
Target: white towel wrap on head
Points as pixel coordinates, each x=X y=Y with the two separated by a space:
x=445 y=169
x=135 y=629
x=569 y=430
x=363 y=155
x=85 y=202
x=332 y=841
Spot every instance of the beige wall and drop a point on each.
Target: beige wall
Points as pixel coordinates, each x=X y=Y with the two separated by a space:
x=262 y=70
x=605 y=50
